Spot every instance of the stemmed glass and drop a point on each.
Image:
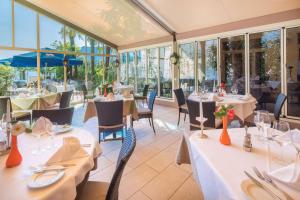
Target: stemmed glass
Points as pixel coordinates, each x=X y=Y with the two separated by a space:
x=266 y=123
x=281 y=135
x=259 y=117
x=234 y=90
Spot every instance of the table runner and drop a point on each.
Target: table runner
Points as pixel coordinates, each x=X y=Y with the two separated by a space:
x=15 y=179
x=219 y=169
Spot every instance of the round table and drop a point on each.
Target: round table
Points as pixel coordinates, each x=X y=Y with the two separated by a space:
x=14 y=180
x=242 y=107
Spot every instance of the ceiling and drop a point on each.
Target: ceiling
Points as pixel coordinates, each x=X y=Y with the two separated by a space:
x=121 y=23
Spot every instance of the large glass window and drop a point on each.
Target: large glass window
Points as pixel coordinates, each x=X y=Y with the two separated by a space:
x=131 y=69
x=153 y=68
x=6 y=23
x=293 y=71
x=123 y=68
x=141 y=70
x=207 y=64
x=75 y=41
x=165 y=72
x=51 y=34
x=233 y=63
x=187 y=72
x=265 y=73
x=25 y=27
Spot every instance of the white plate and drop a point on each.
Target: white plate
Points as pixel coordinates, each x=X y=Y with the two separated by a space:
x=45 y=179
x=61 y=129
x=253 y=192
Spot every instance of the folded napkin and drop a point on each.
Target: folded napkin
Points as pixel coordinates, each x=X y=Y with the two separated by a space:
x=42 y=125
x=246 y=97
x=70 y=150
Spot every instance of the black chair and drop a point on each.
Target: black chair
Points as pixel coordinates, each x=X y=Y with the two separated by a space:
x=110 y=118
x=86 y=95
x=65 y=99
x=209 y=108
x=110 y=191
x=59 y=116
x=182 y=107
x=18 y=116
x=143 y=97
x=147 y=112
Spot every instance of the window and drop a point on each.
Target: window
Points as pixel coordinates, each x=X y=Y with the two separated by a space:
x=141 y=70
x=131 y=68
x=51 y=34
x=207 y=64
x=187 y=72
x=165 y=72
x=75 y=41
x=123 y=68
x=25 y=27
x=233 y=63
x=152 y=68
x=265 y=73
x=6 y=23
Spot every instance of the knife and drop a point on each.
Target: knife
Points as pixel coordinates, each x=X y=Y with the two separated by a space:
x=262 y=186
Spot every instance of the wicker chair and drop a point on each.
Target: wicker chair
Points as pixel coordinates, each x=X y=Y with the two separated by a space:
x=65 y=99
x=182 y=107
x=59 y=116
x=110 y=191
x=18 y=116
x=86 y=95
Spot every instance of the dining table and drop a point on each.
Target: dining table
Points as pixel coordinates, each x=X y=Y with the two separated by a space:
x=219 y=169
x=34 y=101
x=14 y=181
x=242 y=105
x=129 y=107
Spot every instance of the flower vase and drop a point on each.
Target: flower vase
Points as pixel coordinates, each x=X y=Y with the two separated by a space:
x=224 y=137
x=14 y=157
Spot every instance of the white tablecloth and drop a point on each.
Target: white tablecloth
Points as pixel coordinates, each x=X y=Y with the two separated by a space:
x=242 y=108
x=219 y=168
x=61 y=88
x=13 y=184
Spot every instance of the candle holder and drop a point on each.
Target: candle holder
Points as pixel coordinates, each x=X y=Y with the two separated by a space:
x=202 y=120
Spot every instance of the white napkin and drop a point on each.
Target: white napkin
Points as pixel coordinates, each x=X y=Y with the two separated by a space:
x=71 y=149
x=110 y=97
x=246 y=97
x=215 y=97
x=42 y=125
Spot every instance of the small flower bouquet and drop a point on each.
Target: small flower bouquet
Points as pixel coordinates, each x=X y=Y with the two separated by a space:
x=224 y=111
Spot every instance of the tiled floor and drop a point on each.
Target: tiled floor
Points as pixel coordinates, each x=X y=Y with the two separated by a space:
x=151 y=172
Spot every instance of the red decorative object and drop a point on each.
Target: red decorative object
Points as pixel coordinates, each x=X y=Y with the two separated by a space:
x=224 y=138
x=231 y=114
x=222 y=85
x=14 y=157
x=105 y=92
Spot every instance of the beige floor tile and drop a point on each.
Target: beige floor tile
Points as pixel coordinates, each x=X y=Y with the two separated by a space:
x=135 y=180
x=186 y=167
x=165 y=184
x=188 y=191
x=102 y=163
x=139 y=196
x=113 y=155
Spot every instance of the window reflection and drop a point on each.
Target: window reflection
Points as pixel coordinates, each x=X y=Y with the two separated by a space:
x=207 y=64
x=165 y=72
x=265 y=73
x=233 y=63
x=152 y=68
x=293 y=71
x=141 y=70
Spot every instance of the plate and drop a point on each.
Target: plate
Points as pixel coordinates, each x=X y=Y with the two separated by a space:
x=45 y=179
x=253 y=192
x=62 y=129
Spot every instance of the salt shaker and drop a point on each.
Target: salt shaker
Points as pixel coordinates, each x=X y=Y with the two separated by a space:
x=247 y=141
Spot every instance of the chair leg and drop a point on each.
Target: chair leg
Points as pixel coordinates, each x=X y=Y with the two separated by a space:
x=178 y=118
x=153 y=125
x=184 y=116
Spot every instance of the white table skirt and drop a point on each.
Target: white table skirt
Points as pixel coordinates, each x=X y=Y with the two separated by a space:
x=13 y=184
x=219 y=168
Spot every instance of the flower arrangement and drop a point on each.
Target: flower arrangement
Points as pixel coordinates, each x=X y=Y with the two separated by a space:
x=224 y=111
x=174 y=58
x=18 y=128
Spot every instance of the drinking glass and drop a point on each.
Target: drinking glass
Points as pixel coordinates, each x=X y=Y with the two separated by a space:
x=280 y=133
x=266 y=123
x=234 y=90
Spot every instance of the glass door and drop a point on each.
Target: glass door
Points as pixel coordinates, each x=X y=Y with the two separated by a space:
x=293 y=71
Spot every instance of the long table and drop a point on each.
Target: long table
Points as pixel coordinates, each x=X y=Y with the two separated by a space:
x=219 y=169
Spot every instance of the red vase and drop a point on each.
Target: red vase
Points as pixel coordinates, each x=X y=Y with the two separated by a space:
x=105 y=93
x=14 y=157
x=224 y=137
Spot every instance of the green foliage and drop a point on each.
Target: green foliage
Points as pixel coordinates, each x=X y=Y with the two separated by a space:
x=6 y=78
x=222 y=111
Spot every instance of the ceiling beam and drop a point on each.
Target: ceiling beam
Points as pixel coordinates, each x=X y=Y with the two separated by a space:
x=65 y=22
x=154 y=17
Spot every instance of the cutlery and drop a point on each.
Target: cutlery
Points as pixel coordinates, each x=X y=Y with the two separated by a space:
x=259 y=184
x=42 y=169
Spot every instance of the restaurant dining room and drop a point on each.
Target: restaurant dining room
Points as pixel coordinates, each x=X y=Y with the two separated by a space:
x=150 y=100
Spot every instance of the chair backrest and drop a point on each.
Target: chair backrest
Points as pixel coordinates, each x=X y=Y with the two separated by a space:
x=110 y=113
x=145 y=91
x=3 y=105
x=59 y=116
x=281 y=98
x=84 y=89
x=65 y=99
x=209 y=108
x=179 y=96
x=151 y=100
x=124 y=155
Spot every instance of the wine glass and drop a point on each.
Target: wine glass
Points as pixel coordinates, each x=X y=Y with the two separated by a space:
x=280 y=133
x=295 y=140
x=234 y=90
x=266 y=123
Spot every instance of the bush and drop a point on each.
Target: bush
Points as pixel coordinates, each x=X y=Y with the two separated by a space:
x=6 y=78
